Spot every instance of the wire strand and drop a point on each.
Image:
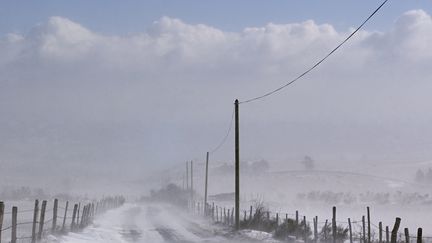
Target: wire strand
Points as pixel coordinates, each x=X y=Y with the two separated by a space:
x=320 y=61
x=226 y=135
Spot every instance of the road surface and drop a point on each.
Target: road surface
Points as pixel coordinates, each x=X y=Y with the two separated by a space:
x=152 y=223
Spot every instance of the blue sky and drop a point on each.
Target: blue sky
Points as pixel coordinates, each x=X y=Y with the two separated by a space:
x=131 y=16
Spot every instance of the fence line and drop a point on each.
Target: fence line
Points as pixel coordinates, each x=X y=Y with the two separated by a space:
x=55 y=224
x=296 y=226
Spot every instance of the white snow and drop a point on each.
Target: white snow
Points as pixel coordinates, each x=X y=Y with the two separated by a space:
x=148 y=223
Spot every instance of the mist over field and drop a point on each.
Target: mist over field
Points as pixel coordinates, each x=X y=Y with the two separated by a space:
x=93 y=109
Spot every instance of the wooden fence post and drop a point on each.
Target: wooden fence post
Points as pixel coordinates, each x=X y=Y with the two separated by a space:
x=213 y=211
x=228 y=217
x=97 y=208
x=277 y=219
x=187 y=175
x=93 y=212
x=35 y=217
x=407 y=237
x=14 y=225
x=206 y=185
x=395 y=230
x=221 y=215
x=1 y=218
x=350 y=230
x=325 y=230
x=369 y=224
x=232 y=216
x=89 y=213
x=334 y=227
x=380 y=232
x=54 y=220
x=364 y=229
x=73 y=217
x=87 y=216
x=387 y=234
x=78 y=214
x=198 y=208
x=81 y=223
x=191 y=181
x=42 y=219
x=305 y=236
x=315 y=222
x=297 y=224
x=419 y=235
x=65 y=216
x=84 y=216
x=217 y=214
x=250 y=213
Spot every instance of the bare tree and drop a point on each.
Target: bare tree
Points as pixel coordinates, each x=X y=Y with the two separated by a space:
x=308 y=163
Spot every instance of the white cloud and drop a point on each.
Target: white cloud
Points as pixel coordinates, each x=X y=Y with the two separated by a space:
x=184 y=77
x=171 y=43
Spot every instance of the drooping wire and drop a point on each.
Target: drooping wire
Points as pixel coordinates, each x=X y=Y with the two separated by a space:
x=320 y=61
x=222 y=142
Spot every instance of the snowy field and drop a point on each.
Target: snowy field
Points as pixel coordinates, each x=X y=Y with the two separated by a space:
x=388 y=188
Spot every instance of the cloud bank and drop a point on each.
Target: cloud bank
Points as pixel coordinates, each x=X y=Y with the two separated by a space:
x=70 y=96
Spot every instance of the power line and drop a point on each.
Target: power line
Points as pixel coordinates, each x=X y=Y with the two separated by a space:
x=226 y=135
x=320 y=61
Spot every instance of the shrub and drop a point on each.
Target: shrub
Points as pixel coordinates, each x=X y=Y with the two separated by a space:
x=260 y=220
x=326 y=233
x=291 y=228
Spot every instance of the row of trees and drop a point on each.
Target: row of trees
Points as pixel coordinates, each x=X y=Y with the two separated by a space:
x=424 y=176
x=383 y=198
x=259 y=167
x=251 y=168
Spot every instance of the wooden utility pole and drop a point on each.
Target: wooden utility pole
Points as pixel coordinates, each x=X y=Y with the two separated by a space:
x=334 y=227
x=191 y=180
x=369 y=225
x=237 y=167
x=187 y=175
x=206 y=184
x=1 y=218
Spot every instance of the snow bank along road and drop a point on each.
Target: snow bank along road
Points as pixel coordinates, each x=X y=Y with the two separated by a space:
x=151 y=223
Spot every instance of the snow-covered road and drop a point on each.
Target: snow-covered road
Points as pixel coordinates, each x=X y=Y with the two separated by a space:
x=150 y=223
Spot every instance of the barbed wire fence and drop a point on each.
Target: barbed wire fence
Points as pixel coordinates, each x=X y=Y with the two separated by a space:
x=34 y=224
x=300 y=227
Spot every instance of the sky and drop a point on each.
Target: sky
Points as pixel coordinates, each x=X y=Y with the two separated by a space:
x=125 y=87
x=132 y=16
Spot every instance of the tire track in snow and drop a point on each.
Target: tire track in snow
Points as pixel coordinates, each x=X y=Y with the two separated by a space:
x=137 y=223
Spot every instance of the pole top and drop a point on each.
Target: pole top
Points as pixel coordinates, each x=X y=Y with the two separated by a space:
x=236 y=101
